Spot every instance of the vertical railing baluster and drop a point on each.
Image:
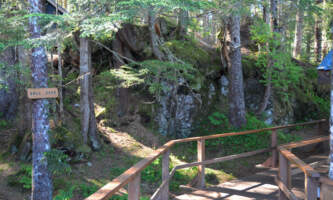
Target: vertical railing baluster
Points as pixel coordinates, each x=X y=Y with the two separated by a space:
x=165 y=175
x=201 y=168
x=284 y=175
x=274 y=150
x=311 y=187
x=134 y=188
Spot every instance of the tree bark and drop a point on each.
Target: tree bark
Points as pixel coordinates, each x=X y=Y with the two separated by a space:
x=318 y=40
x=155 y=32
x=308 y=46
x=122 y=93
x=318 y=36
x=265 y=11
x=61 y=101
x=84 y=90
x=298 y=31
x=182 y=23
x=8 y=87
x=88 y=119
x=41 y=178
x=236 y=90
x=330 y=175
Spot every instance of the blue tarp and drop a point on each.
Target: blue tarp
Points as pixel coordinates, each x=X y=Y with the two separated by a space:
x=326 y=64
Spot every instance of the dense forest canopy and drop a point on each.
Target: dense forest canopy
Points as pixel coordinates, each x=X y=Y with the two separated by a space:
x=156 y=70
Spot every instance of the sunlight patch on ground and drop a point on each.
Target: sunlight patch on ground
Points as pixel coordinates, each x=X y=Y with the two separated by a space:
x=125 y=142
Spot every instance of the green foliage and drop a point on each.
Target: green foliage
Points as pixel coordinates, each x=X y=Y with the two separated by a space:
x=87 y=190
x=58 y=162
x=218 y=119
x=242 y=143
x=154 y=75
x=23 y=178
x=152 y=173
x=65 y=194
x=275 y=61
x=116 y=171
x=3 y=124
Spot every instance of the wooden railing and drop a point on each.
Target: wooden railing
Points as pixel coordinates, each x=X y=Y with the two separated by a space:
x=132 y=175
x=312 y=177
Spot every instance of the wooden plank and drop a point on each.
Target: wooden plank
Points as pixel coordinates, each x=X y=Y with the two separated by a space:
x=311 y=188
x=288 y=193
x=307 y=169
x=284 y=176
x=42 y=93
x=165 y=175
x=222 y=159
x=201 y=168
x=112 y=187
x=134 y=188
x=326 y=190
x=274 y=147
x=305 y=142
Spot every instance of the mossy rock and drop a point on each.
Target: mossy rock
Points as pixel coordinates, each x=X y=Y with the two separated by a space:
x=189 y=51
x=83 y=149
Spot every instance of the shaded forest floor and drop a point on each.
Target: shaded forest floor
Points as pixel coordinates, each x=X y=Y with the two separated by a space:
x=122 y=148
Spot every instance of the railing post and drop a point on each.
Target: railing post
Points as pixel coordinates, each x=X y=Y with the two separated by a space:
x=201 y=168
x=284 y=175
x=165 y=175
x=134 y=188
x=311 y=188
x=274 y=146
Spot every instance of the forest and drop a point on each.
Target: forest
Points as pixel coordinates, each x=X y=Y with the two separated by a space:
x=89 y=89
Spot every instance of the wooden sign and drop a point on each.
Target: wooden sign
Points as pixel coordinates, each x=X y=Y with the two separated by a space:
x=42 y=93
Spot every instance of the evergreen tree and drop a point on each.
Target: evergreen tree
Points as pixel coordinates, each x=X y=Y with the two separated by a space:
x=41 y=179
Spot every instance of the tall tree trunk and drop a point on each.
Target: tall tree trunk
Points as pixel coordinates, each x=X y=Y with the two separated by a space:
x=182 y=23
x=298 y=31
x=270 y=64
x=318 y=35
x=318 y=40
x=61 y=101
x=155 y=32
x=122 y=93
x=88 y=119
x=84 y=90
x=265 y=13
x=330 y=175
x=308 y=46
x=41 y=178
x=236 y=90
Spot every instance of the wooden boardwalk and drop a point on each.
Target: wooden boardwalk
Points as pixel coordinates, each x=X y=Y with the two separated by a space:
x=258 y=186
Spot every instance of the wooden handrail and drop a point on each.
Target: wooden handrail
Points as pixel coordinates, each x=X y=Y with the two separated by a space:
x=311 y=175
x=305 y=142
x=246 y=132
x=307 y=169
x=116 y=184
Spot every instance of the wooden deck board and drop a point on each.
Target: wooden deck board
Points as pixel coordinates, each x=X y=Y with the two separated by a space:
x=258 y=186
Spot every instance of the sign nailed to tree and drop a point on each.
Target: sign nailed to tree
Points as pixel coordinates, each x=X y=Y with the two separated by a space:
x=42 y=93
